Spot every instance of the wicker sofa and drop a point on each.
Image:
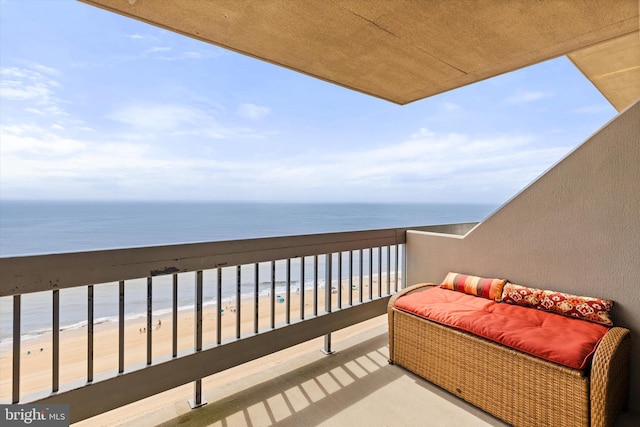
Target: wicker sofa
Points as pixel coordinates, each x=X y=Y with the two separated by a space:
x=518 y=388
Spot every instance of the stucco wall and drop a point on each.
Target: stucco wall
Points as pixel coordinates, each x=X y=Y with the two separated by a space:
x=576 y=229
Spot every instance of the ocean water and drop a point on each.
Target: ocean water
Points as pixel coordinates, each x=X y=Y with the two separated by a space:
x=31 y=228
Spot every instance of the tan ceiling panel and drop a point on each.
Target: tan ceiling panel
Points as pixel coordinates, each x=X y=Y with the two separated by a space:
x=399 y=50
x=614 y=68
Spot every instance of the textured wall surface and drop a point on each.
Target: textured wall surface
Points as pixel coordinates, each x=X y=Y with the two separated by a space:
x=576 y=229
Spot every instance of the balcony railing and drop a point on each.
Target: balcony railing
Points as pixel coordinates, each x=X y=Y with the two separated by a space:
x=300 y=288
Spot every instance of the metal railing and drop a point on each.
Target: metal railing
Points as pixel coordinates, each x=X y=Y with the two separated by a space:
x=357 y=271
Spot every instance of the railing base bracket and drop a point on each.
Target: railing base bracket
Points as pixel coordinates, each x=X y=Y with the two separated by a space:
x=194 y=405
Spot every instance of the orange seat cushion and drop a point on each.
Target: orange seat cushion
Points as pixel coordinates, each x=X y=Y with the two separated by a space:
x=567 y=341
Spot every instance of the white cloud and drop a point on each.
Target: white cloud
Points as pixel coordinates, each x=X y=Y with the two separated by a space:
x=429 y=166
x=44 y=69
x=31 y=141
x=252 y=111
x=141 y=37
x=159 y=120
x=158 y=117
x=88 y=65
x=523 y=97
x=452 y=165
x=436 y=167
x=193 y=55
x=594 y=109
x=22 y=84
x=158 y=49
x=33 y=88
x=169 y=51
x=450 y=107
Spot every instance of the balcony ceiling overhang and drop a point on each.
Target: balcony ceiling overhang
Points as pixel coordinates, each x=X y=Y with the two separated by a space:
x=406 y=50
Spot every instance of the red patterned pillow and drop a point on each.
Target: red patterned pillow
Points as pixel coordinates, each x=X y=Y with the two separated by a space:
x=474 y=285
x=593 y=309
x=596 y=310
x=521 y=295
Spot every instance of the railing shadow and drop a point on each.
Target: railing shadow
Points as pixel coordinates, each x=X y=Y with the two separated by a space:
x=301 y=396
x=315 y=393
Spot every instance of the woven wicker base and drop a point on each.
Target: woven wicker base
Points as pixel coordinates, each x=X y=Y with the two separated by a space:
x=517 y=388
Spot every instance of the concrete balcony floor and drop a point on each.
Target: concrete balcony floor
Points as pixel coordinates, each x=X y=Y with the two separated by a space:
x=301 y=386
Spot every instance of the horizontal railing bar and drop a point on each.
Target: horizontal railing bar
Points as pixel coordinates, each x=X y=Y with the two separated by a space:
x=27 y=274
x=175 y=372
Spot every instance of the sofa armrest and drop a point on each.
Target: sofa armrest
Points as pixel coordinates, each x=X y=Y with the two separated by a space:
x=390 y=310
x=610 y=377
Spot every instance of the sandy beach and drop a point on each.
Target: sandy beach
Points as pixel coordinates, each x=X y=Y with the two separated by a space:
x=36 y=353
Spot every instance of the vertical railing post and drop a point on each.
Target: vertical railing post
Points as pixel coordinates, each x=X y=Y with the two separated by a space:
x=370 y=274
x=121 y=326
x=397 y=253
x=403 y=282
x=350 y=278
x=199 y=314
x=339 y=284
x=149 y=319
x=327 y=299
x=388 y=270
x=219 y=311
x=238 y=300
x=288 y=294
x=272 y=293
x=301 y=288
x=256 y=298
x=197 y=400
x=15 y=389
x=379 y=271
x=361 y=282
x=55 y=352
x=174 y=318
x=315 y=285
x=90 y=333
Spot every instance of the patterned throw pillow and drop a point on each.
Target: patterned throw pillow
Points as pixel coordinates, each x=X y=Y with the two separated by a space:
x=596 y=310
x=474 y=285
x=521 y=295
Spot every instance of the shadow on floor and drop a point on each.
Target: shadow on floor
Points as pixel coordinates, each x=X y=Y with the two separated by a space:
x=355 y=386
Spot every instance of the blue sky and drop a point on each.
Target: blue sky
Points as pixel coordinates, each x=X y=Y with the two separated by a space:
x=95 y=106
